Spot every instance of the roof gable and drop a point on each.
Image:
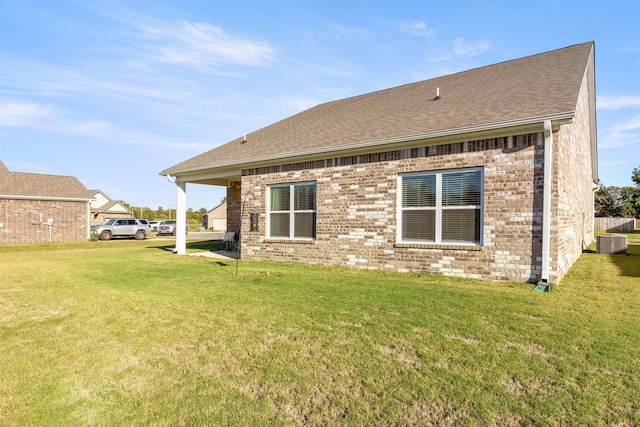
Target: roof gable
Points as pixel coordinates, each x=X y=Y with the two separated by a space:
x=535 y=86
x=114 y=206
x=99 y=199
x=221 y=209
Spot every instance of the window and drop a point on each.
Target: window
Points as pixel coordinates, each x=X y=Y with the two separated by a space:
x=442 y=207
x=292 y=211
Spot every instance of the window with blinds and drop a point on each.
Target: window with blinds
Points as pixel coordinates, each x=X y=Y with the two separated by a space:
x=442 y=207
x=292 y=211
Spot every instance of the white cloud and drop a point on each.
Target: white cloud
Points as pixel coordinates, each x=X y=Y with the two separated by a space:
x=300 y=104
x=418 y=29
x=621 y=135
x=335 y=70
x=342 y=32
x=109 y=132
x=202 y=44
x=617 y=102
x=45 y=118
x=632 y=124
x=461 y=48
x=22 y=114
x=30 y=167
x=43 y=79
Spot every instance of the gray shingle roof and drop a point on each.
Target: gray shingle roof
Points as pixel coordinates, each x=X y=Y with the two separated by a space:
x=33 y=185
x=534 y=86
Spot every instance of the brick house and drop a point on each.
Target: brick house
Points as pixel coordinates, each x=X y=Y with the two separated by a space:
x=487 y=173
x=38 y=208
x=103 y=208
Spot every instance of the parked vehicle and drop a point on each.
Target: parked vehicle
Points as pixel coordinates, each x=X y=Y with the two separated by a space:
x=169 y=227
x=154 y=225
x=138 y=228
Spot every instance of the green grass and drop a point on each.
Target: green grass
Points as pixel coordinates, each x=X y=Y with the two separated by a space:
x=126 y=333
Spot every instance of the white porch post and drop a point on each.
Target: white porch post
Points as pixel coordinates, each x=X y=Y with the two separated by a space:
x=181 y=217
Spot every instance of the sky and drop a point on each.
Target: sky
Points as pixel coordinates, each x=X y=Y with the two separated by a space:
x=113 y=92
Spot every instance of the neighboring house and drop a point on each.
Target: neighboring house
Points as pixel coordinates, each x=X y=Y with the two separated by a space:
x=216 y=218
x=103 y=208
x=487 y=173
x=37 y=208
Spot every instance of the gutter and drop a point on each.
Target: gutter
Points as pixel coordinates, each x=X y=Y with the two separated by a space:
x=546 y=202
x=57 y=199
x=557 y=118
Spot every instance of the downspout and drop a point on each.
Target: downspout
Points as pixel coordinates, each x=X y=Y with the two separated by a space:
x=546 y=202
x=595 y=188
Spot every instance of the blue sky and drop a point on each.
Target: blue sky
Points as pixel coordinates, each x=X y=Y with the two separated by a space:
x=113 y=92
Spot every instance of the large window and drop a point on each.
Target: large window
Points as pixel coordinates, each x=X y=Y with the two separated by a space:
x=292 y=211
x=442 y=207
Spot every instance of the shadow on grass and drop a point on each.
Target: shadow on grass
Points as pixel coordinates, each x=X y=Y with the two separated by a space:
x=201 y=245
x=629 y=265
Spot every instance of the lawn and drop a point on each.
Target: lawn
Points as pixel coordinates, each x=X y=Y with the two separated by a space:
x=126 y=333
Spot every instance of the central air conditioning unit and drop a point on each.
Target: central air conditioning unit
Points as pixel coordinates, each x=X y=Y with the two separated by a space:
x=611 y=244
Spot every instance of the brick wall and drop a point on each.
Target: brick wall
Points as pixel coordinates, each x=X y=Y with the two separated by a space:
x=357 y=210
x=233 y=206
x=21 y=224
x=573 y=193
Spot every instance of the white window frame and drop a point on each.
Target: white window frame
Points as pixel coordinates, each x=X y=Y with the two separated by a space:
x=439 y=209
x=291 y=210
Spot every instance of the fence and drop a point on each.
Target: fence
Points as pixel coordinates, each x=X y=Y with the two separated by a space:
x=615 y=224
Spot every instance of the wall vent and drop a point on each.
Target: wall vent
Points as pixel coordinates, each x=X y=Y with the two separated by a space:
x=612 y=244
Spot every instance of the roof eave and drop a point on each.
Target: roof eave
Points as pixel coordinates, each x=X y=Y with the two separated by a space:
x=484 y=130
x=47 y=198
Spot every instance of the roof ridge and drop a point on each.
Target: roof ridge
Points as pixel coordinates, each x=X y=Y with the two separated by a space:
x=539 y=85
x=446 y=75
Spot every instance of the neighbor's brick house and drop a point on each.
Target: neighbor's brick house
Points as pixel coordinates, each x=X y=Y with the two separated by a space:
x=487 y=173
x=29 y=200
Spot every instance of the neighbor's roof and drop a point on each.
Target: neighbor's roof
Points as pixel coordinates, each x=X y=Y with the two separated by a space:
x=40 y=186
x=535 y=86
x=109 y=205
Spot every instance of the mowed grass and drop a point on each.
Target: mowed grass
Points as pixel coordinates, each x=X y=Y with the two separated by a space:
x=126 y=333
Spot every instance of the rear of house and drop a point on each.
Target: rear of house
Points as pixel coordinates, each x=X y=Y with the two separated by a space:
x=487 y=174
x=39 y=208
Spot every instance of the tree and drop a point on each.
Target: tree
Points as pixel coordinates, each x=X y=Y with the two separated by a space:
x=635 y=176
x=615 y=201
x=607 y=203
x=634 y=194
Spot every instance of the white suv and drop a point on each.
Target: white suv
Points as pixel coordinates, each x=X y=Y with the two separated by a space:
x=169 y=227
x=138 y=228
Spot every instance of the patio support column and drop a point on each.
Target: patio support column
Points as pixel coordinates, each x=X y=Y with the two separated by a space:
x=181 y=217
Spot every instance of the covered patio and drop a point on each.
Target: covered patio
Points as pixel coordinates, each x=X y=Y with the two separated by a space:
x=229 y=179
